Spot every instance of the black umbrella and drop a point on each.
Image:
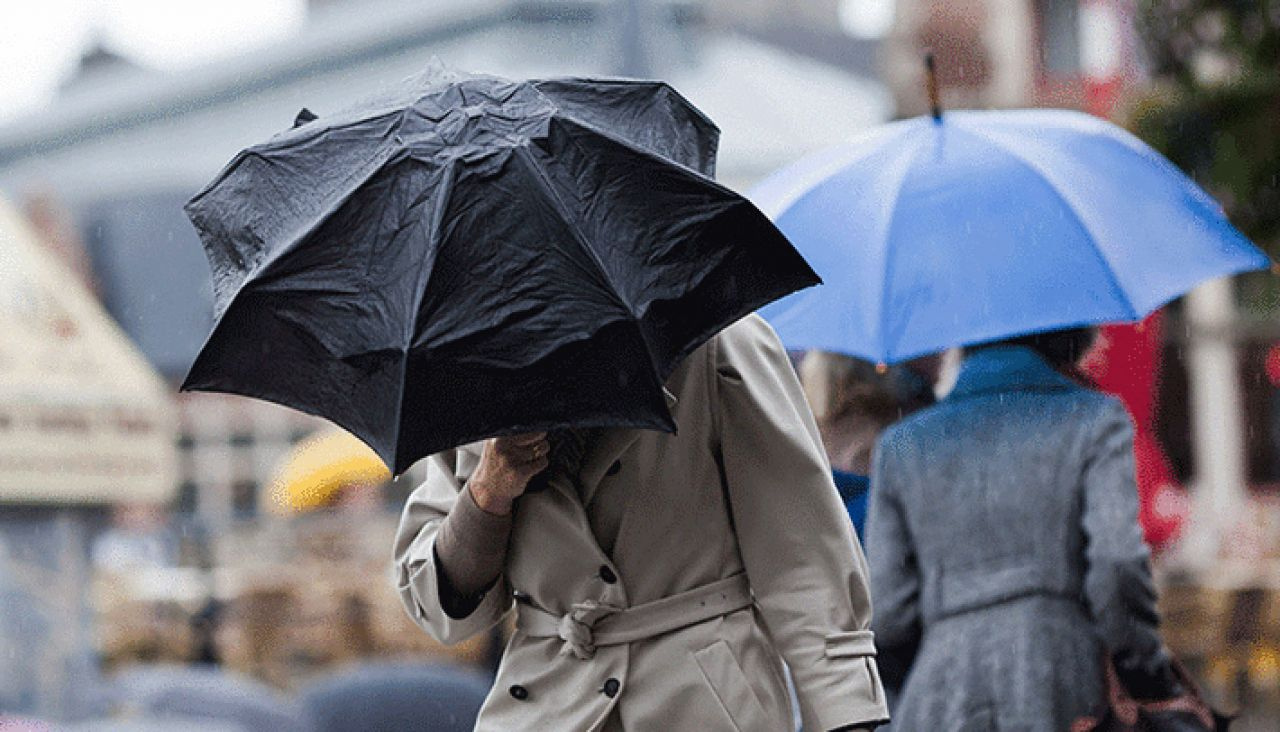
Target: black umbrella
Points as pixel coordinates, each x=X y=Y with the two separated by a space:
x=468 y=256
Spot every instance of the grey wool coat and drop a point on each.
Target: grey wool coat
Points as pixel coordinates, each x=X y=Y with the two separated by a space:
x=741 y=495
x=1006 y=553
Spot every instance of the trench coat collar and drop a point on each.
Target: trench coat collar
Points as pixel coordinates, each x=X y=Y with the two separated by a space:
x=608 y=447
x=1007 y=368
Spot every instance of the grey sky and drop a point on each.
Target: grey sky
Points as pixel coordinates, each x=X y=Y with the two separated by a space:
x=41 y=40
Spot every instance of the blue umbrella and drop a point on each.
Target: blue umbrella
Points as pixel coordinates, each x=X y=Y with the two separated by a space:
x=975 y=226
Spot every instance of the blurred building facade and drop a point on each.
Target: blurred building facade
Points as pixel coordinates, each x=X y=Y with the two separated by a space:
x=1012 y=53
x=85 y=423
x=124 y=148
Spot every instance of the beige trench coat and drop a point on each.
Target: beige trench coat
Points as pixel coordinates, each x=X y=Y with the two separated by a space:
x=743 y=488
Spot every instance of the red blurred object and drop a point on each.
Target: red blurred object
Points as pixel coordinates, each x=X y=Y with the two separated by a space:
x=1272 y=365
x=1100 y=96
x=1126 y=363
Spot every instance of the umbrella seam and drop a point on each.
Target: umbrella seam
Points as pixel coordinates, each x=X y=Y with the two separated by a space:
x=1071 y=205
x=552 y=197
x=862 y=144
x=423 y=283
x=550 y=194
x=278 y=254
x=672 y=93
x=882 y=322
x=738 y=201
x=265 y=149
x=639 y=149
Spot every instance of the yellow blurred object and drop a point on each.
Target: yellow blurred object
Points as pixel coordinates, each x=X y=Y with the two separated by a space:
x=1264 y=667
x=314 y=473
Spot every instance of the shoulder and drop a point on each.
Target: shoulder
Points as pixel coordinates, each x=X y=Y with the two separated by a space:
x=751 y=327
x=1105 y=414
x=1089 y=407
x=750 y=336
x=892 y=442
x=919 y=425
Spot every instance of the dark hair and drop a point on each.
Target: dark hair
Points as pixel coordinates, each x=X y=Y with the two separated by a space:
x=1063 y=349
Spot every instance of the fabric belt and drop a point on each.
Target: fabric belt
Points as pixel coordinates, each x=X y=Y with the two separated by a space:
x=998 y=600
x=590 y=624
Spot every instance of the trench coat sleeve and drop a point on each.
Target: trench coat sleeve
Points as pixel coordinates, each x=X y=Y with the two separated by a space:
x=418 y=575
x=895 y=577
x=1118 y=586
x=802 y=559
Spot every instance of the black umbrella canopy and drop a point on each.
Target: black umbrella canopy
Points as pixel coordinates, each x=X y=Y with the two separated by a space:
x=468 y=256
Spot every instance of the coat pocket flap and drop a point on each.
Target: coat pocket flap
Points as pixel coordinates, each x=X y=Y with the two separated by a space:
x=729 y=684
x=852 y=644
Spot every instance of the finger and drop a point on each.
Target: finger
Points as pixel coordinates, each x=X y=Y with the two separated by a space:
x=534 y=452
x=526 y=440
x=513 y=447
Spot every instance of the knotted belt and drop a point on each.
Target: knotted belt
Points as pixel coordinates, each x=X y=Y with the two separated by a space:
x=589 y=625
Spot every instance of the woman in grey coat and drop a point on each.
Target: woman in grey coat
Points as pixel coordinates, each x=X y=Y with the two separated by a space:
x=1006 y=556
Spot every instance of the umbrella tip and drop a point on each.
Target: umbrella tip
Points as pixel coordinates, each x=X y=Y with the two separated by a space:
x=304 y=116
x=931 y=86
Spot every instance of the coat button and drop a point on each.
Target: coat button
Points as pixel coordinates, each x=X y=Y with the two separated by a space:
x=610 y=688
x=607 y=574
x=518 y=692
x=613 y=469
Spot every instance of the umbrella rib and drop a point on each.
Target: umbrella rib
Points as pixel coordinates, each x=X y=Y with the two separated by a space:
x=279 y=253
x=427 y=268
x=1070 y=204
x=425 y=272
x=882 y=322
x=549 y=194
x=826 y=165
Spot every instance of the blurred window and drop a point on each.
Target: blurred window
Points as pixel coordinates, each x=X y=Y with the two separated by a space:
x=1260 y=382
x=1261 y=366
x=187 y=497
x=1059 y=36
x=244 y=498
x=867 y=19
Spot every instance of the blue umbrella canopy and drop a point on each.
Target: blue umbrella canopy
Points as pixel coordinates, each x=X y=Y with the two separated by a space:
x=980 y=225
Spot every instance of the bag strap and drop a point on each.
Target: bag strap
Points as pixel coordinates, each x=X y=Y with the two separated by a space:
x=1190 y=701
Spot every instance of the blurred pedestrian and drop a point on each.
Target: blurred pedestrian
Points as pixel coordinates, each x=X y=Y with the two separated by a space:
x=1006 y=556
x=659 y=580
x=854 y=401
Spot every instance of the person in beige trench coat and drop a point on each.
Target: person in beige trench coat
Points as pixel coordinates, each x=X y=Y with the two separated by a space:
x=662 y=586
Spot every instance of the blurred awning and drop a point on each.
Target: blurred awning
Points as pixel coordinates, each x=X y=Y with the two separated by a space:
x=312 y=475
x=83 y=417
